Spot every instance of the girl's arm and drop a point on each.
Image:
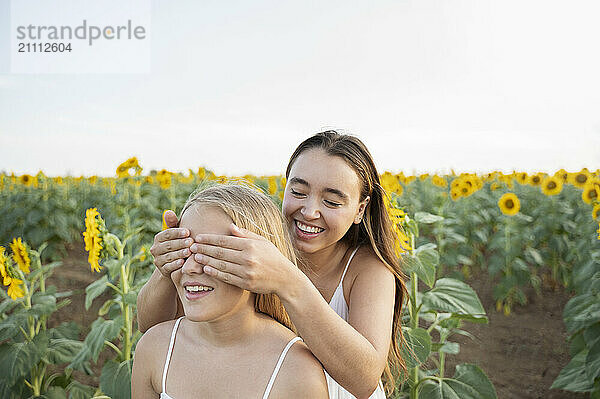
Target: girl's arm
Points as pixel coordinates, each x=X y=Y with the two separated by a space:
x=141 y=374
x=353 y=353
x=157 y=301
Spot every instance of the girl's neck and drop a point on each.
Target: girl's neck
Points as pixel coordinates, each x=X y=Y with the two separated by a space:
x=327 y=260
x=237 y=329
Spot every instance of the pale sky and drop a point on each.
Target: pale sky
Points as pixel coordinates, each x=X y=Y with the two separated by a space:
x=234 y=86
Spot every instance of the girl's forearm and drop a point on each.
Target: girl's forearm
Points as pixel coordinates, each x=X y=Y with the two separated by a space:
x=346 y=355
x=156 y=301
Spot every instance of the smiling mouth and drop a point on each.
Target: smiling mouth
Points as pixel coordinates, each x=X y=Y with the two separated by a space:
x=196 y=291
x=306 y=229
x=197 y=288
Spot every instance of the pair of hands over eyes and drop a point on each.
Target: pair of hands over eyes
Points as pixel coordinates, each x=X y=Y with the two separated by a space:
x=245 y=259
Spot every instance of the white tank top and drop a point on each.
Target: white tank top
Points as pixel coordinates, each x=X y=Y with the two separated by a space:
x=165 y=395
x=338 y=303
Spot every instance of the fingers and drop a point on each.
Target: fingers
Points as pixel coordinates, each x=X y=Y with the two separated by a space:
x=170 y=267
x=223 y=241
x=240 y=232
x=225 y=277
x=226 y=254
x=171 y=234
x=221 y=265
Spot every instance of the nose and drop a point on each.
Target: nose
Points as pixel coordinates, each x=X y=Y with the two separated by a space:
x=310 y=210
x=192 y=266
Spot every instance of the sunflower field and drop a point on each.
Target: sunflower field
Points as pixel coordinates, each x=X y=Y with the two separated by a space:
x=526 y=231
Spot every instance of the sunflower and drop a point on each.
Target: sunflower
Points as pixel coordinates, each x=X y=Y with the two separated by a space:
x=164 y=178
x=522 y=178
x=494 y=186
x=439 y=181
x=390 y=183
x=509 y=204
x=131 y=163
x=272 y=180
x=20 y=254
x=598 y=231
x=3 y=260
x=466 y=188
x=536 y=180
x=15 y=289
x=591 y=191
x=454 y=194
x=552 y=185
x=9 y=276
x=25 y=179
x=402 y=244
x=92 y=238
x=580 y=178
x=563 y=175
x=596 y=211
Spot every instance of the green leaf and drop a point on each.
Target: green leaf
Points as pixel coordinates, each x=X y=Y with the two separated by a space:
x=55 y=393
x=592 y=362
x=78 y=390
x=17 y=359
x=418 y=342
x=94 y=290
x=581 y=311
x=130 y=298
x=450 y=295
x=469 y=382
x=424 y=263
x=68 y=330
x=592 y=335
x=94 y=342
x=573 y=377
x=427 y=218
x=62 y=350
x=451 y=348
x=115 y=380
x=43 y=304
x=6 y=305
x=10 y=326
x=474 y=377
x=106 y=307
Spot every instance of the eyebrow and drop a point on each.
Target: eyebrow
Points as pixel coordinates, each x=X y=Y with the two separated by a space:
x=342 y=195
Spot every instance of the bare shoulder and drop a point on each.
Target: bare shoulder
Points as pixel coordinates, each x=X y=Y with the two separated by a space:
x=156 y=335
x=151 y=349
x=301 y=375
x=368 y=265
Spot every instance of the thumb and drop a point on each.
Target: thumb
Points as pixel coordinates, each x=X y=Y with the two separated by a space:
x=170 y=218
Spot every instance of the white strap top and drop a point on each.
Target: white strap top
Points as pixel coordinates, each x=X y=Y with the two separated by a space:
x=164 y=395
x=338 y=303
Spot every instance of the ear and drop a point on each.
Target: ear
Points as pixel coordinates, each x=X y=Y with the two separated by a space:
x=361 y=210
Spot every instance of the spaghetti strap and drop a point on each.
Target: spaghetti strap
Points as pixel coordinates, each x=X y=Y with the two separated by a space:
x=348 y=264
x=278 y=366
x=168 y=360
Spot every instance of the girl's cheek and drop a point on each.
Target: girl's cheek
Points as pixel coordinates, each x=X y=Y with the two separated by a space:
x=176 y=276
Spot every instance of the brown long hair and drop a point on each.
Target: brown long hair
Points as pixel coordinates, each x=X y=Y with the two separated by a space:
x=254 y=211
x=375 y=229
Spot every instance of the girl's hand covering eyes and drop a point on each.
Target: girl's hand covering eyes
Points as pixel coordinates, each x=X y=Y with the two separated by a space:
x=170 y=246
x=246 y=260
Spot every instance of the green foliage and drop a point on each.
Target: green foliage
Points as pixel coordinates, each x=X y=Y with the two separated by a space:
x=582 y=318
x=27 y=345
x=443 y=307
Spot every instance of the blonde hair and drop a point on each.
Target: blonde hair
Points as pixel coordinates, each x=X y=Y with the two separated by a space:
x=252 y=210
